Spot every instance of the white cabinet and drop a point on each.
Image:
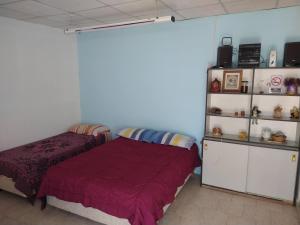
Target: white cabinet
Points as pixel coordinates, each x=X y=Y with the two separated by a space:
x=272 y=172
x=252 y=165
x=225 y=165
x=255 y=170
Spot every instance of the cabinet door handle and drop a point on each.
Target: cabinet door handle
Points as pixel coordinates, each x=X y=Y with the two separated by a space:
x=205 y=146
x=293 y=158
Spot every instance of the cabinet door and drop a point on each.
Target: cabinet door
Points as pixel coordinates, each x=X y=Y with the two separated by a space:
x=225 y=165
x=272 y=172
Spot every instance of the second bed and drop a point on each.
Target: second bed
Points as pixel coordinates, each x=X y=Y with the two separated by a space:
x=126 y=179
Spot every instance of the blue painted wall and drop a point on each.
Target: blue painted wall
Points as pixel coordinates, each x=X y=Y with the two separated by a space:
x=154 y=76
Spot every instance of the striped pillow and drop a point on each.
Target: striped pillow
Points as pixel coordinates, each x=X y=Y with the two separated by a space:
x=167 y=138
x=89 y=129
x=158 y=137
x=137 y=134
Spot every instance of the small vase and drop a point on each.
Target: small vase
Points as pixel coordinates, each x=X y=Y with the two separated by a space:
x=291 y=89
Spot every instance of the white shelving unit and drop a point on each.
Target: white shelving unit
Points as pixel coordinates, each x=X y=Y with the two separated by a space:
x=252 y=165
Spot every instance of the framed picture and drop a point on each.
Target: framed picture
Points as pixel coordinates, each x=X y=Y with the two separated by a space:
x=232 y=80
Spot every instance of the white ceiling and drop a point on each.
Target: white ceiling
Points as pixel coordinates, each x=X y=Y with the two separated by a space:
x=76 y=13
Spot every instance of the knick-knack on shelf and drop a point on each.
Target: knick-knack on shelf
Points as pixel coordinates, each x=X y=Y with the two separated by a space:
x=217 y=132
x=244 y=87
x=277 y=112
x=255 y=113
x=291 y=85
x=215 y=86
x=272 y=58
x=216 y=110
x=278 y=137
x=266 y=133
x=243 y=113
x=243 y=135
x=295 y=113
x=298 y=85
x=261 y=86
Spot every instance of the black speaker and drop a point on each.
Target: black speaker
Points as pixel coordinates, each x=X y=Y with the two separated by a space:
x=292 y=54
x=225 y=54
x=249 y=55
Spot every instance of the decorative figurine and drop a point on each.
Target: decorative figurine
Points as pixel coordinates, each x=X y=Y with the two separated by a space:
x=255 y=114
x=243 y=135
x=215 y=110
x=266 y=133
x=278 y=137
x=295 y=113
x=217 y=131
x=215 y=86
x=291 y=86
x=277 y=113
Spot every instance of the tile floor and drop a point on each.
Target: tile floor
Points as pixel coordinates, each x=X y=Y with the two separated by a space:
x=193 y=206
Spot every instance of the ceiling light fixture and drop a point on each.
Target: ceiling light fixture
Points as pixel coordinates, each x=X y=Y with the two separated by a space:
x=122 y=24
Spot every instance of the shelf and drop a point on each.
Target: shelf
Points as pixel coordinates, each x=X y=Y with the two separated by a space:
x=263 y=94
x=230 y=115
x=228 y=93
x=222 y=99
x=232 y=68
x=276 y=68
x=229 y=137
x=253 y=141
x=283 y=95
x=292 y=145
x=284 y=119
x=263 y=117
x=255 y=68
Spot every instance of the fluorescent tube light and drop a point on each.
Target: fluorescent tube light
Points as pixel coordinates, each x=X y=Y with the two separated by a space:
x=122 y=24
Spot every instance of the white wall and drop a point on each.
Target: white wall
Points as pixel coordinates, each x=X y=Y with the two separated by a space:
x=39 y=82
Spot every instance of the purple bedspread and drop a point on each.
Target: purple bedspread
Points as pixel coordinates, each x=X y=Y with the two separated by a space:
x=124 y=178
x=28 y=163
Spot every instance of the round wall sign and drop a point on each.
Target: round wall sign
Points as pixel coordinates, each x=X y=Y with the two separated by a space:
x=276 y=80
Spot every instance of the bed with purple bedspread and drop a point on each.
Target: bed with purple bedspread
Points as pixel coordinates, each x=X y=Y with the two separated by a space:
x=28 y=163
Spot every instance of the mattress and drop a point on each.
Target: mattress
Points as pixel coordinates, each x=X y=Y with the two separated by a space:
x=124 y=178
x=22 y=168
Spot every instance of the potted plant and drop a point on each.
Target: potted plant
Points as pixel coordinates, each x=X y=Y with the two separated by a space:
x=291 y=85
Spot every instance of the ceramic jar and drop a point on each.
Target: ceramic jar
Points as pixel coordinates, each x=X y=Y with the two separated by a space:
x=266 y=133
